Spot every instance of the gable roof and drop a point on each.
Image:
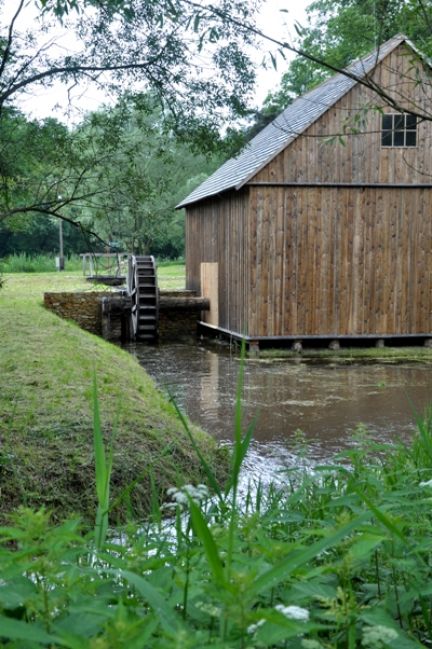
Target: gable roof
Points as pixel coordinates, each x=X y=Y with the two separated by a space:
x=295 y=119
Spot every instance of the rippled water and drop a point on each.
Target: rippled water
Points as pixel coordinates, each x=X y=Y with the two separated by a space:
x=325 y=401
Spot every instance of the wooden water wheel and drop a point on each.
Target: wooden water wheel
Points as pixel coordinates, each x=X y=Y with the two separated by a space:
x=143 y=290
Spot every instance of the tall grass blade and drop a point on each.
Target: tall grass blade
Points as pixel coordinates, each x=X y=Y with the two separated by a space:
x=203 y=532
x=424 y=427
x=207 y=470
x=241 y=445
x=103 y=469
x=238 y=451
x=239 y=454
x=383 y=518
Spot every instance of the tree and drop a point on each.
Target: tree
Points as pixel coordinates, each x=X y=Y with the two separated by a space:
x=340 y=31
x=139 y=46
x=144 y=172
x=162 y=45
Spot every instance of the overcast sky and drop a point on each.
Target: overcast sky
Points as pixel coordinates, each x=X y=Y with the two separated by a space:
x=276 y=18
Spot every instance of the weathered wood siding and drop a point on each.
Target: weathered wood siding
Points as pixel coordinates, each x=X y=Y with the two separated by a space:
x=340 y=261
x=343 y=256
x=319 y=156
x=217 y=231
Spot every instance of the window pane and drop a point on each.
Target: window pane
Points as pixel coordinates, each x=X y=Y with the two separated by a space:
x=398 y=138
x=411 y=121
x=386 y=138
x=411 y=138
x=387 y=122
x=399 y=122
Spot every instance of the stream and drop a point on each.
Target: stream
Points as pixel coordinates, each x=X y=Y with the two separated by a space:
x=326 y=401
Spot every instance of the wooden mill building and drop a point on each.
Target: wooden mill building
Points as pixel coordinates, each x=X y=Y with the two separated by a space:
x=322 y=226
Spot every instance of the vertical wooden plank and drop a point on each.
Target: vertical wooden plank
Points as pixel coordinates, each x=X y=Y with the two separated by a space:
x=290 y=275
x=355 y=281
x=369 y=284
x=279 y=269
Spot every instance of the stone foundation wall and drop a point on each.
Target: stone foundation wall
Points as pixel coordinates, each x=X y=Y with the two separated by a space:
x=84 y=308
x=175 y=325
x=105 y=313
x=175 y=320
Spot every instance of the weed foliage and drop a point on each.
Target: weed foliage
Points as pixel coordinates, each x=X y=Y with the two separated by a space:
x=340 y=560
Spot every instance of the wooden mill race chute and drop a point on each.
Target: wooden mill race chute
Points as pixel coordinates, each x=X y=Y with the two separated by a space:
x=144 y=294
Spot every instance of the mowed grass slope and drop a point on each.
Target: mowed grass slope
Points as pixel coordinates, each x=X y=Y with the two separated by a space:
x=46 y=373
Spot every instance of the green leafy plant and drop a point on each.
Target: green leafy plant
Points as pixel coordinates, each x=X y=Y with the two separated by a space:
x=342 y=560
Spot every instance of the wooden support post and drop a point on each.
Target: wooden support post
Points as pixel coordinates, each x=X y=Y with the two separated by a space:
x=334 y=345
x=428 y=342
x=380 y=343
x=254 y=349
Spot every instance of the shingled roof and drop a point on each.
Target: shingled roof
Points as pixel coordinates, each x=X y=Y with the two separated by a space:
x=295 y=119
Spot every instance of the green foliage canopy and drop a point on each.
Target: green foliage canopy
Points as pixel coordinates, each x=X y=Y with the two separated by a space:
x=339 y=31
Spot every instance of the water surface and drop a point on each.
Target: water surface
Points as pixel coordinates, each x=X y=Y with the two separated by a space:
x=326 y=401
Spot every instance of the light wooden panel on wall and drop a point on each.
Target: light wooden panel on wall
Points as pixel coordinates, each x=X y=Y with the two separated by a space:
x=210 y=289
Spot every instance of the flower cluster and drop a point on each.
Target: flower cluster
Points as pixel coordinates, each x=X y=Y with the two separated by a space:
x=254 y=627
x=378 y=637
x=293 y=612
x=181 y=496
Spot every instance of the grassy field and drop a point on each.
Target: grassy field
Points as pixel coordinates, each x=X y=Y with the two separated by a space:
x=46 y=373
x=33 y=285
x=170 y=273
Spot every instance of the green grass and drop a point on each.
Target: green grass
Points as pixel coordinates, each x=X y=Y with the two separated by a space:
x=46 y=374
x=36 y=263
x=171 y=275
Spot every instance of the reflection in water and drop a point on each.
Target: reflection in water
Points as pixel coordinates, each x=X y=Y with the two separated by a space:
x=325 y=401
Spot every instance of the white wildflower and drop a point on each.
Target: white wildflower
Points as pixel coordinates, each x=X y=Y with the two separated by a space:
x=378 y=637
x=252 y=628
x=293 y=612
x=428 y=483
x=181 y=495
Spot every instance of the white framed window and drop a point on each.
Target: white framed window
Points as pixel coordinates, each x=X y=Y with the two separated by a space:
x=398 y=130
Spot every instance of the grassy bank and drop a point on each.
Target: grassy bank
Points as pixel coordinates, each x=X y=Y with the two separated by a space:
x=46 y=370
